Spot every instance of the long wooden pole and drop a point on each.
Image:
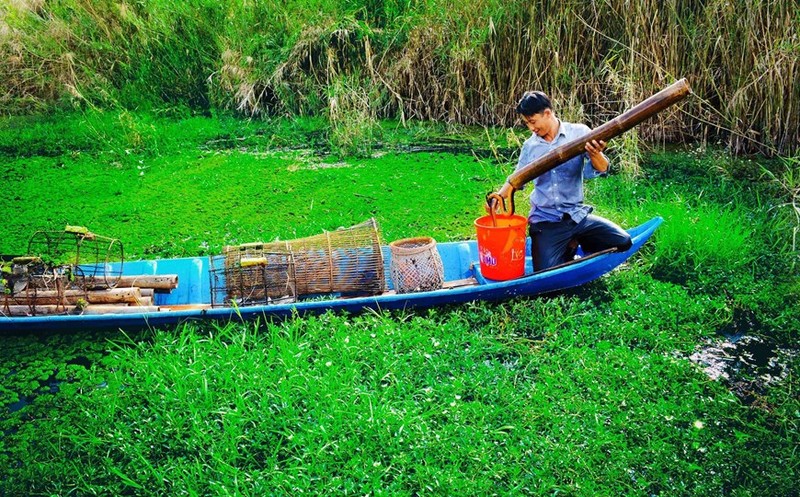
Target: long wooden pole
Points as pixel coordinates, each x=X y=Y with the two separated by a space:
x=51 y=309
x=615 y=127
x=154 y=281
x=114 y=296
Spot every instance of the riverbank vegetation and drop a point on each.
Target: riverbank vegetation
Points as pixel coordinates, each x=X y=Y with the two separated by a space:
x=463 y=62
x=180 y=127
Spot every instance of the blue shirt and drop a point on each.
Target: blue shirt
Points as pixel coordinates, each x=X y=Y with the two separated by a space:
x=560 y=190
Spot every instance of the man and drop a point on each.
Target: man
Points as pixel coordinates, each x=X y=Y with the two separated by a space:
x=558 y=219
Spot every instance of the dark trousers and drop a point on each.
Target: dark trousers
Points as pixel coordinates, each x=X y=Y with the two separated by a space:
x=554 y=243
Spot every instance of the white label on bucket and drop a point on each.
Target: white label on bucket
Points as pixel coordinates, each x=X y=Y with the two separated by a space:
x=487 y=258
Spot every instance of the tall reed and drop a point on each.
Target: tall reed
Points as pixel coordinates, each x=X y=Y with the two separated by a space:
x=460 y=62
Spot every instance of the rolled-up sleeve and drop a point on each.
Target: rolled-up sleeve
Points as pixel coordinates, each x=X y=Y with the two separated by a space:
x=590 y=172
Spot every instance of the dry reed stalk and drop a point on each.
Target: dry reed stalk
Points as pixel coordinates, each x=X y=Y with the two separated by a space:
x=352 y=114
x=235 y=78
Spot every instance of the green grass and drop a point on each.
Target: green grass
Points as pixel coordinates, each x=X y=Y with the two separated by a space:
x=434 y=404
x=587 y=392
x=239 y=196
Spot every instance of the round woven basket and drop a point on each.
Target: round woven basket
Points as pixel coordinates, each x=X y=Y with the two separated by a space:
x=416 y=265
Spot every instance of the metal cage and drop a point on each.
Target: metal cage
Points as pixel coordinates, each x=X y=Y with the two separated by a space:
x=249 y=275
x=60 y=270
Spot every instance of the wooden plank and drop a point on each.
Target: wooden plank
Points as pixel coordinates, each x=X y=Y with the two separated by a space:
x=459 y=283
x=185 y=307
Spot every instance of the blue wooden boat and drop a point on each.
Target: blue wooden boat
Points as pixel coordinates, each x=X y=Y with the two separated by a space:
x=463 y=283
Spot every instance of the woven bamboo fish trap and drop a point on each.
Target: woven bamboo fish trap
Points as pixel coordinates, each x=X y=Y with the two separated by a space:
x=251 y=275
x=416 y=265
x=345 y=261
x=88 y=256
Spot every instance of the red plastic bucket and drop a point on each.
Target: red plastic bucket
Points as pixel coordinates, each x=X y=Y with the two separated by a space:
x=501 y=247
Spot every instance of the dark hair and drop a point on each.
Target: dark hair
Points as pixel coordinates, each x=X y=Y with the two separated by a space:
x=533 y=102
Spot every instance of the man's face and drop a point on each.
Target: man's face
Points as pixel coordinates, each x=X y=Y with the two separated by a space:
x=538 y=123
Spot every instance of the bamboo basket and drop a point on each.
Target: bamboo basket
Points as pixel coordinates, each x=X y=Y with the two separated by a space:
x=60 y=270
x=250 y=275
x=416 y=265
x=86 y=255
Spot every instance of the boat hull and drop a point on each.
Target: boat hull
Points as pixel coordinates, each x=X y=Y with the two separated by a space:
x=459 y=258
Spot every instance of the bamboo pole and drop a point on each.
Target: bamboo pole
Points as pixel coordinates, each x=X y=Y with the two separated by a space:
x=119 y=309
x=154 y=281
x=144 y=301
x=615 y=127
x=37 y=310
x=48 y=310
x=48 y=297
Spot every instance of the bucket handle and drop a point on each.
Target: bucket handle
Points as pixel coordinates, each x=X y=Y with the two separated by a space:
x=498 y=200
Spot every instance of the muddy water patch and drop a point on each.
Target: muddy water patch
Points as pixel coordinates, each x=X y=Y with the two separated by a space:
x=747 y=364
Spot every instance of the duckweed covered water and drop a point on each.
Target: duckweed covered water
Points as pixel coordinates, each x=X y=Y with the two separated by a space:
x=588 y=392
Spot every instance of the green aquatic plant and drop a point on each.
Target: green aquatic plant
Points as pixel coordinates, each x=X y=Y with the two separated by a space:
x=399 y=403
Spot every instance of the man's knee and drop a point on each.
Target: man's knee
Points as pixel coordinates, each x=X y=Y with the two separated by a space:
x=625 y=245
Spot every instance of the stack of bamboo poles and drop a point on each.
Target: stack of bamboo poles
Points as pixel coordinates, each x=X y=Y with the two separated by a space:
x=132 y=294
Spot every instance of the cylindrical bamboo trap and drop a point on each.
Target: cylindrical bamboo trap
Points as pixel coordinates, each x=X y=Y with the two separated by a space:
x=250 y=275
x=87 y=256
x=345 y=261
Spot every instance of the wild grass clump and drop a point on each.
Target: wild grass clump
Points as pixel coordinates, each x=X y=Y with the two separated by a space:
x=702 y=240
x=354 y=126
x=723 y=229
x=786 y=217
